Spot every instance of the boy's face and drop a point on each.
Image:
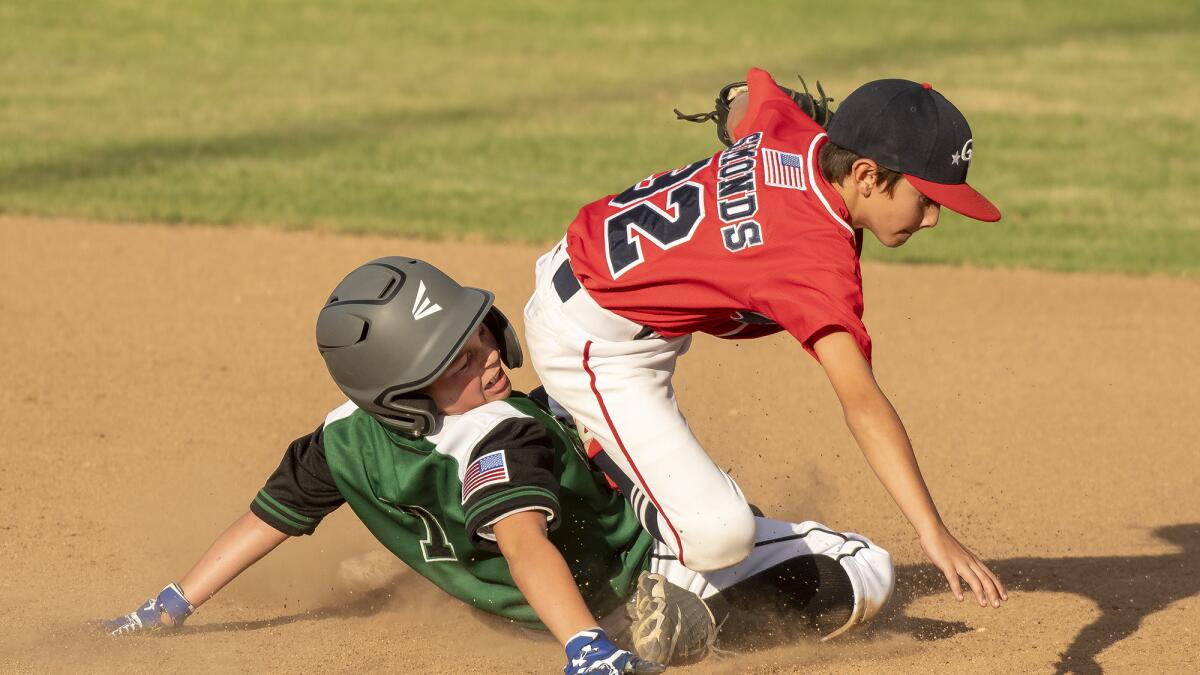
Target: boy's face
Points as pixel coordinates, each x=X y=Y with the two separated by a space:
x=475 y=377
x=894 y=218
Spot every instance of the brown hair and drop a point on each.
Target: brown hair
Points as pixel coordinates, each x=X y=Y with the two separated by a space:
x=836 y=162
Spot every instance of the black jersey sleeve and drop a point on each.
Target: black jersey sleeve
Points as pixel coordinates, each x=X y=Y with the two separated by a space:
x=512 y=469
x=301 y=491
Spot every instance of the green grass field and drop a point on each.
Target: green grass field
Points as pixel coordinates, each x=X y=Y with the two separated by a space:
x=501 y=119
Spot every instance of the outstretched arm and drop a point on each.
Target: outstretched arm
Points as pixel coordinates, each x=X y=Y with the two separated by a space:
x=241 y=545
x=542 y=574
x=885 y=444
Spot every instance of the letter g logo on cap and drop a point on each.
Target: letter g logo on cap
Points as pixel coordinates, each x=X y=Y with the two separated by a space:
x=964 y=154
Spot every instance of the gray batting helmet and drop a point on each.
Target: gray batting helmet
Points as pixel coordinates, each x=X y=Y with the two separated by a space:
x=392 y=326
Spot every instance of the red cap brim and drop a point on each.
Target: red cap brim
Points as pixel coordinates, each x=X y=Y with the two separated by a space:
x=958 y=197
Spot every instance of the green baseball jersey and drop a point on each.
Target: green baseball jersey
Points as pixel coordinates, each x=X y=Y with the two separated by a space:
x=433 y=500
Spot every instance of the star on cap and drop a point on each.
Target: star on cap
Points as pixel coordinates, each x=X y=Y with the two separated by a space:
x=954 y=158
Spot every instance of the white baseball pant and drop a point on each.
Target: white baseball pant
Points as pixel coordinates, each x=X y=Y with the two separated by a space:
x=774 y=576
x=868 y=566
x=614 y=377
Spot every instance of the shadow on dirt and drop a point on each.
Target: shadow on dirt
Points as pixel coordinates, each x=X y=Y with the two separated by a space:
x=1126 y=590
x=367 y=605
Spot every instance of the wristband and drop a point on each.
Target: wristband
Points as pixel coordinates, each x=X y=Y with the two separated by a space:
x=171 y=601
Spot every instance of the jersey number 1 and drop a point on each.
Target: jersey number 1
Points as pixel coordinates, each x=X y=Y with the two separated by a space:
x=435 y=547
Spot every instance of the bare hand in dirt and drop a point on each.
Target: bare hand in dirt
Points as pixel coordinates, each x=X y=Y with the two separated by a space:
x=955 y=561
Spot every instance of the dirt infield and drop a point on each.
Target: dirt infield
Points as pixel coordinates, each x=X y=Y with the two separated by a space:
x=152 y=376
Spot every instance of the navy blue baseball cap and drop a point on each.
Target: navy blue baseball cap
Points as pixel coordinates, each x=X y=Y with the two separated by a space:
x=912 y=129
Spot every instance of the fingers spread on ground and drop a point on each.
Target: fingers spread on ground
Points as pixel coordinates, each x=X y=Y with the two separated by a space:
x=955 y=585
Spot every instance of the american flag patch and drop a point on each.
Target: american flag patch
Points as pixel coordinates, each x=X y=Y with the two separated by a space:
x=783 y=169
x=488 y=470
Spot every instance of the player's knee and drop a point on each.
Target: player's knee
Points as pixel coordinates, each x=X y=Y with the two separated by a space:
x=716 y=541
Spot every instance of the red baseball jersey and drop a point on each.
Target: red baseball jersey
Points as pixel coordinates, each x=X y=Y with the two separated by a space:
x=748 y=242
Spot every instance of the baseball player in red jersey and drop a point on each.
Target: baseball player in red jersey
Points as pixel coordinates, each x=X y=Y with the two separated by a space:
x=762 y=237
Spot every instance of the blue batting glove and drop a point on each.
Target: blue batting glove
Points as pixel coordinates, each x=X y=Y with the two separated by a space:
x=590 y=651
x=170 y=602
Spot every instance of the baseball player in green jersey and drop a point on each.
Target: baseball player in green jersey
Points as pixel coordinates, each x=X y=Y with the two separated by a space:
x=491 y=496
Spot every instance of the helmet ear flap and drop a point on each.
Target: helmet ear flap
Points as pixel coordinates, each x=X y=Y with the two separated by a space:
x=411 y=413
x=506 y=337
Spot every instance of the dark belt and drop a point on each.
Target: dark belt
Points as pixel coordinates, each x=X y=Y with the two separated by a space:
x=565 y=283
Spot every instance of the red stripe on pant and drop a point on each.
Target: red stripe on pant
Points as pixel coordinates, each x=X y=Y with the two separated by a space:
x=587 y=350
